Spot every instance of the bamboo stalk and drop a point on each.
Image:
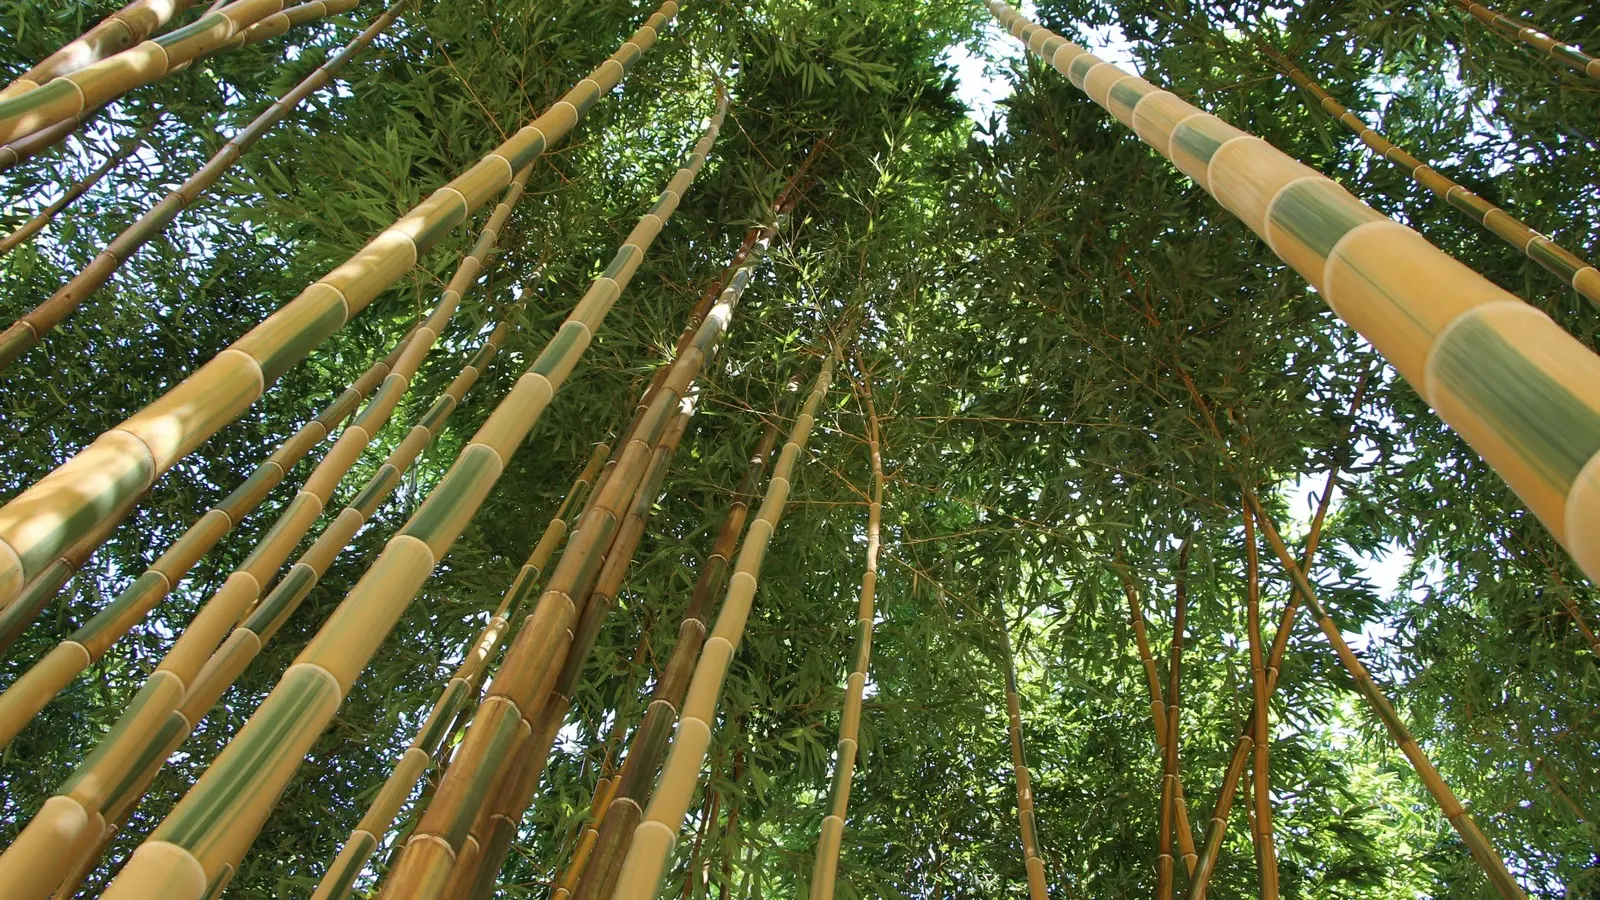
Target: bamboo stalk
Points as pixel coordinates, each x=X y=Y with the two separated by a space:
x=1170 y=777
x=62 y=506
x=107 y=786
x=1261 y=830
x=1575 y=272
x=30 y=329
x=25 y=148
x=464 y=684
x=656 y=835
x=1517 y=387
x=111 y=35
x=48 y=677
x=213 y=825
x=75 y=190
x=829 y=841
x=1559 y=51
x=1032 y=862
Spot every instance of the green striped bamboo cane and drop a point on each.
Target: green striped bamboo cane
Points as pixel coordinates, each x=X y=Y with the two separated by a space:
x=1032 y=862
x=462 y=686
x=1170 y=775
x=1158 y=708
x=196 y=672
x=27 y=331
x=66 y=503
x=497 y=824
x=1482 y=851
x=113 y=34
x=825 y=871
x=1578 y=274
x=279 y=23
x=595 y=875
x=1518 y=388
x=1559 y=51
x=1266 y=853
x=75 y=190
x=657 y=834
x=213 y=825
x=47 y=678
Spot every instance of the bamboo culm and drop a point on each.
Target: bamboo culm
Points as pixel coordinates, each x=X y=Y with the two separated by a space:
x=111 y=35
x=1170 y=774
x=1560 y=51
x=1033 y=862
x=1261 y=784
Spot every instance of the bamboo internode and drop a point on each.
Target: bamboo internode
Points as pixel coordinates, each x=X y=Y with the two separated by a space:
x=1517 y=387
x=113 y=34
x=1559 y=51
x=657 y=834
x=826 y=869
x=68 y=502
x=462 y=687
x=1576 y=273
x=75 y=190
x=27 y=331
x=213 y=825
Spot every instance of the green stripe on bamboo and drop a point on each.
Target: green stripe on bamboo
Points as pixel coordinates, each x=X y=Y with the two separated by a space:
x=1560 y=51
x=113 y=34
x=462 y=685
x=1517 y=387
x=47 y=678
x=75 y=190
x=655 y=836
x=27 y=331
x=66 y=503
x=829 y=842
x=214 y=824
x=1575 y=272
x=1261 y=785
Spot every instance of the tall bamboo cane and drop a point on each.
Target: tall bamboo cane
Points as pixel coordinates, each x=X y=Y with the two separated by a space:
x=62 y=506
x=113 y=34
x=1032 y=861
x=75 y=190
x=1578 y=274
x=656 y=835
x=462 y=686
x=1517 y=387
x=825 y=871
x=594 y=875
x=1557 y=50
x=47 y=678
x=212 y=826
x=104 y=790
x=1266 y=853
x=33 y=326
x=1170 y=777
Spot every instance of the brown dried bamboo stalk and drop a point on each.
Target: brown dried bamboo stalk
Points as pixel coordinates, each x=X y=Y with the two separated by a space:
x=1031 y=860
x=1559 y=51
x=463 y=685
x=1261 y=826
x=648 y=746
x=1169 y=765
x=75 y=190
x=829 y=841
x=1576 y=273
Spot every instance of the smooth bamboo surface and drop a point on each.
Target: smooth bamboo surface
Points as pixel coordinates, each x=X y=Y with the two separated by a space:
x=1511 y=382
x=47 y=678
x=214 y=824
x=655 y=836
x=111 y=35
x=66 y=503
x=462 y=687
x=1560 y=51
x=825 y=870
x=1575 y=272
x=27 y=331
x=75 y=190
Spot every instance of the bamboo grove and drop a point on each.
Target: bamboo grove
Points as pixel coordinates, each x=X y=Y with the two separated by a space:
x=858 y=448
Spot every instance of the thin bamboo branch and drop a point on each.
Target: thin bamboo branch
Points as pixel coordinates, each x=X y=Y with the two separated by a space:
x=75 y=190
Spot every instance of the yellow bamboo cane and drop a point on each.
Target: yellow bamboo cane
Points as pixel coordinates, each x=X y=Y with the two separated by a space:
x=113 y=34
x=1032 y=862
x=1261 y=833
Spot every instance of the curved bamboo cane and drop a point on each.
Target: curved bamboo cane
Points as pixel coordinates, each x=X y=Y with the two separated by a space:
x=48 y=677
x=111 y=35
x=1576 y=273
x=1559 y=51
x=195 y=673
x=593 y=872
x=1032 y=862
x=463 y=685
x=75 y=190
x=1517 y=387
x=211 y=828
x=1170 y=773
x=1261 y=833
x=657 y=834
x=829 y=842
x=27 y=331
x=66 y=503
